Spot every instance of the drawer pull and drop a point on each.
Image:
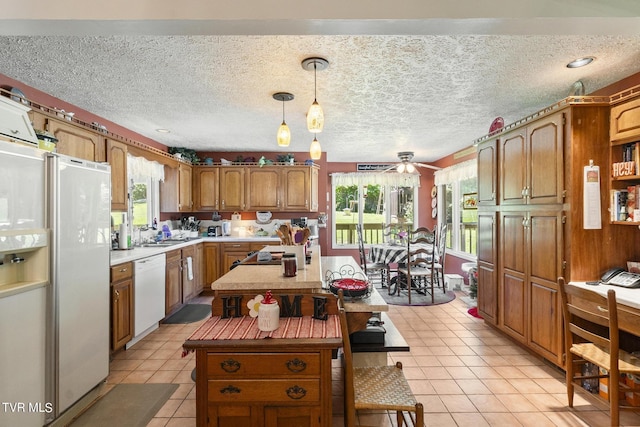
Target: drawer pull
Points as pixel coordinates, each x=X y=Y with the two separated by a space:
x=230 y=390
x=296 y=365
x=296 y=392
x=230 y=365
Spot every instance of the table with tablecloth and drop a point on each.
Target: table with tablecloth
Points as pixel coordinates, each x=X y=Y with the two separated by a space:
x=394 y=254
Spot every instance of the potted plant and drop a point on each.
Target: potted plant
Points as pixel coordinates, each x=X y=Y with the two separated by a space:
x=185 y=154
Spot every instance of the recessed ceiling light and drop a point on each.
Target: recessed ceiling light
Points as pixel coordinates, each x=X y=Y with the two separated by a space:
x=580 y=62
x=163 y=130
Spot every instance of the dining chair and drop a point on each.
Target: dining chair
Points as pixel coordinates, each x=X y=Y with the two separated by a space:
x=375 y=387
x=440 y=254
x=371 y=269
x=418 y=272
x=592 y=335
x=389 y=231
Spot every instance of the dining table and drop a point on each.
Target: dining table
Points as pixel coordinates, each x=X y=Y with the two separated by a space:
x=393 y=253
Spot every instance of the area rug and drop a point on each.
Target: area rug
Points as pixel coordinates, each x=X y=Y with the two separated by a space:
x=190 y=313
x=473 y=311
x=417 y=298
x=129 y=405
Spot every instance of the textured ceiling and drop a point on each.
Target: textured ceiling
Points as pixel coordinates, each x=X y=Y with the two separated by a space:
x=432 y=94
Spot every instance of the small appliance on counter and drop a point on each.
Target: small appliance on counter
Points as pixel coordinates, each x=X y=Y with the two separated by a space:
x=214 y=231
x=299 y=222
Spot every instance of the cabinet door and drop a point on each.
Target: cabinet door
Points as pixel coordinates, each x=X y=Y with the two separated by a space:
x=234 y=416
x=264 y=189
x=625 y=121
x=185 y=201
x=117 y=158
x=229 y=257
x=188 y=275
x=288 y=416
x=232 y=188
x=513 y=292
x=199 y=269
x=173 y=281
x=211 y=264
x=512 y=157
x=75 y=141
x=206 y=188
x=545 y=160
x=297 y=188
x=487 y=259
x=121 y=313
x=487 y=173
x=544 y=234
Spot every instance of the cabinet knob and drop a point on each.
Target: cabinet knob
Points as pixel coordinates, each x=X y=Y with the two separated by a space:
x=296 y=365
x=117 y=294
x=229 y=390
x=122 y=270
x=296 y=392
x=230 y=365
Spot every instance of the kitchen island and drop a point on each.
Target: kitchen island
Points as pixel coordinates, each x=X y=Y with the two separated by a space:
x=246 y=377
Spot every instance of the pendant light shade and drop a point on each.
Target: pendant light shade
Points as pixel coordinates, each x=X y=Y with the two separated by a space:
x=284 y=134
x=315 y=150
x=315 y=116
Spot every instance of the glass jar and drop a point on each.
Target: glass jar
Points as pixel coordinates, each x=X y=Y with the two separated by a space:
x=289 y=265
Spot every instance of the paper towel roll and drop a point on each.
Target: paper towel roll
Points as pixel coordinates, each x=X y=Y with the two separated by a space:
x=123 y=238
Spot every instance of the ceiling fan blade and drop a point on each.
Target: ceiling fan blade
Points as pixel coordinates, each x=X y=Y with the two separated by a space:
x=422 y=165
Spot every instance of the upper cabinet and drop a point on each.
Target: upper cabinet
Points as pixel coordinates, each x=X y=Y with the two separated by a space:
x=117 y=158
x=76 y=141
x=206 y=188
x=625 y=121
x=232 y=185
x=531 y=163
x=251 y=188
x=175 y=191
x=264 y=189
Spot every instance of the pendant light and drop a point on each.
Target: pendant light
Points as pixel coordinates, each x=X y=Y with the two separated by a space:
x=284 y=134
x=315 y=116
x=315 y=150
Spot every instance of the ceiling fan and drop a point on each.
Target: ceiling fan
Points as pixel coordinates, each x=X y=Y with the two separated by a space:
x=406 y=165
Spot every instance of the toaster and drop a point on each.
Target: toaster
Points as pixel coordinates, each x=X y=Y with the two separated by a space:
x=214 y=231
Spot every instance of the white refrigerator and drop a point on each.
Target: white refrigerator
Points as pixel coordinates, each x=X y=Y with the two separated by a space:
x=78 y=215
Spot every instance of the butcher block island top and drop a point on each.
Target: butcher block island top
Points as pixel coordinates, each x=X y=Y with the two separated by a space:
x=267 y=276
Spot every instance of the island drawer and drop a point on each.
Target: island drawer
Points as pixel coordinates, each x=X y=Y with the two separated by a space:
x=262 y=364
x=121 y=272
x=293 y=390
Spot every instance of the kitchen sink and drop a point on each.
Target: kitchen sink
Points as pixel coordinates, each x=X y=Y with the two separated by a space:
x=158 y=245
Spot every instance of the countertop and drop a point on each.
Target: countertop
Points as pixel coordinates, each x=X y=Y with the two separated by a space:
x=120 y=256
x=625 y=296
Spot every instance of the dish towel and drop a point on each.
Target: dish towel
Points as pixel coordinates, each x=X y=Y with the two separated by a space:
x=190 y=267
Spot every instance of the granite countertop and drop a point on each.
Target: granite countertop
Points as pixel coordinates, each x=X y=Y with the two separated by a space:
x=624 y=296
x=120 y=256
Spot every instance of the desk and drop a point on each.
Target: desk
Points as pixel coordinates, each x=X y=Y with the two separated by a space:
x=628 y=305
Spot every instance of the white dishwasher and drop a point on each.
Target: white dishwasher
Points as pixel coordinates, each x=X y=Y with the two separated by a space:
x=149 y=293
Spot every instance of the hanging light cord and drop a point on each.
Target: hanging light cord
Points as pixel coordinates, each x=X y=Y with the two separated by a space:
x=282 y=110
x=315 y=82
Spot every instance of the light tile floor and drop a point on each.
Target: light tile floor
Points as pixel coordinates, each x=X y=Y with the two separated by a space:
x=464 y=372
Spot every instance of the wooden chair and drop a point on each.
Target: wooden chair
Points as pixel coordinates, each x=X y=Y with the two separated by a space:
x=419 y=272
x=375 y=387
x=441 y=249
x=591 y=335
x=371 y=269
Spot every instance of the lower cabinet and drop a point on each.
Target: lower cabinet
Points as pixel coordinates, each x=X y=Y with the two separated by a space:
x=173 y=283
x=267 y=389
x=211 y=263
x=198 y=269
x=121 y=305
x=188 y=273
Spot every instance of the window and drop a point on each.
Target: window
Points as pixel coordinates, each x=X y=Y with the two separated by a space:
x=457 y=207
x=144 y=192
x=373 y=200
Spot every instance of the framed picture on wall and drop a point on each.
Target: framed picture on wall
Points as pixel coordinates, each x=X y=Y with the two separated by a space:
x=470 y=201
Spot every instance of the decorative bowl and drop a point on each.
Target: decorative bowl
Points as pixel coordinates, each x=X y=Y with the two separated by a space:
x=353 y=288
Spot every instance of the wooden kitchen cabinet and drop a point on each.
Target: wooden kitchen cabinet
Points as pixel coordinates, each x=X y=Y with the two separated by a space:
x=531 y=163
x=487 y=262
x=199 y=269
x=173 y=282
x=232 y=188
x=487 y=176
x=175 y=190
x=231 y=252
x=206 y=188
x=117 y=158
x=122 y=305
x=76 y=141
x=211 y=264
x=538 y=230
x=188 y=275
x=264 y=189
x=299 y=188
